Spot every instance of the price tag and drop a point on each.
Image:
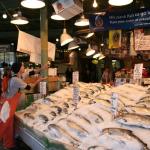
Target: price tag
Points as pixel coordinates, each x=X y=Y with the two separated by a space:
x=114 y=101
x=75 y=77
x=137 y=74
x=43 y=88
x=76 y=94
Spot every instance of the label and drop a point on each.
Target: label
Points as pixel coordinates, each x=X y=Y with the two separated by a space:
x=114 y=101
x=137 y=74
x=43 y=88
x=75 y=77
x=76 y=94
x=146 y=80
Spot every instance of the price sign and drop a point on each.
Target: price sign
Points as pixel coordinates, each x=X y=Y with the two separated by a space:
x=75 y=77
x=114 y=101
x=137 y=74
x=43 y=88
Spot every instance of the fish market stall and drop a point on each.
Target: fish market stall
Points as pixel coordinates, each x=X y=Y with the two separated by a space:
x=55 y=122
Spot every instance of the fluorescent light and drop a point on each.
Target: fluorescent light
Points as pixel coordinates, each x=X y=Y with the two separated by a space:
x=33 y=4
x=65 y=38
x=89 y=35
x=19 y=19
x=55 y=16
x=90 y=51
x=95 y=4
x=119 y=2
x=82 y=22
x=72 y=45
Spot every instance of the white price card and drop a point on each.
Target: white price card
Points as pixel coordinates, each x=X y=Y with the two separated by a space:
x=76 y=94
x=75 y=77
x=137 y=74
x=114 y=101
x=43 y=88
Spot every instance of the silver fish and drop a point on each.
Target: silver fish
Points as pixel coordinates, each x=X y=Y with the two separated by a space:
x=134 y=120
x=146 y=98
x=76 y=126
x=83 y=118
x=123 y=133
x=58 y=132
x=43 y=118
x=98 y=118
x=145 y=103
x=138 y=110
x=29 y=116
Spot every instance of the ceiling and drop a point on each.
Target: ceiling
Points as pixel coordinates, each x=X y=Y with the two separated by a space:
x=8 y=32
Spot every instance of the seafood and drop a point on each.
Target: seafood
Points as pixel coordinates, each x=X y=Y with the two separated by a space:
x=83 y=118
x=29 y=116
x=138 y=110
x=43 y=118
x=134 y=120
x=96 y=147
x=119 y=138
x=145 y=103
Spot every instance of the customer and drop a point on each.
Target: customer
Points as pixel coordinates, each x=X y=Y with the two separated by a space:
x=15 y=84
x=107 y=76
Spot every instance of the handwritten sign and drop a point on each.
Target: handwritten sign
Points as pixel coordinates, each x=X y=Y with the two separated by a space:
x=137 y=74
x=76 y=94
x=43 y=88
x=114 y=102
x=75 y=77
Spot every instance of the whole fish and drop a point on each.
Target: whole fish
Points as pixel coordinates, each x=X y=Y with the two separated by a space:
x=145 y=103
x=83 y=118
x=96 y=147
x=124 y=137
x=134 y=120
x=43 y=118
x=138 y=110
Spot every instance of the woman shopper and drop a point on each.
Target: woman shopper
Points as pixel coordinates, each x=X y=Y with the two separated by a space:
x=12 y=96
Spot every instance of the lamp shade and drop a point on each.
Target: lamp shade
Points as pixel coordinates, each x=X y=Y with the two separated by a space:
x=33 y=4
x=89 y=35
x=55 y=16
x=96 y=55
x=72 y=45
x=90 y=51
x=65 y=38
x=19 y=19
x=101 y=56
x=82 y=22
x=119 y=2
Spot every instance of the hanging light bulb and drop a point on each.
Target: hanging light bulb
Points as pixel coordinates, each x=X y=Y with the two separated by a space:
x=33 y=4
x=55 y=16
x=96 y=55
x=95 y=4
x=90 y=51
x=119 y=2
x=19 y=19
x=4 y=16
x=82 y=21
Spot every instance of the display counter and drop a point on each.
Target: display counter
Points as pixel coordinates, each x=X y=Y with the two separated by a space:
x=92 y=124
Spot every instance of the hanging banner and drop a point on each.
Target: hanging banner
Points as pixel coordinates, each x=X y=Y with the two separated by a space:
x=121 y=20
x=32 y=45
x=114 y=39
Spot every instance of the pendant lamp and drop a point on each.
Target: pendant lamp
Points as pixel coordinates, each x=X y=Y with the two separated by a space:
x=65 y=38
x=72 y=45
x=95 y=4
x=90 y=51
x=82 y=21
x=101 y=56
x=96 y=55
x=119 y=2
x=33 y=4
x=18 y=19
x=89 y=35
x=55 y=16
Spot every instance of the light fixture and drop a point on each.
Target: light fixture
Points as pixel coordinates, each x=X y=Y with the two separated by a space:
x=102 y=44
x=4 y=16
x=19 y=19
x=119 y=2
x=55 y=16
x=33 y=4
x=79 y=49
x=82 y=21
x=101 y=56
x=96 y=55
x=72 y=45
x=95 y=4
x=65 y=38
x=89 y=35
x=90 y=51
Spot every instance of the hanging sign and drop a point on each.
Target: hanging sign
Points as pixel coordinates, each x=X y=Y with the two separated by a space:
x=121 y=20
x=137 y=73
